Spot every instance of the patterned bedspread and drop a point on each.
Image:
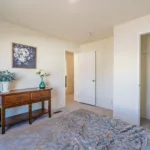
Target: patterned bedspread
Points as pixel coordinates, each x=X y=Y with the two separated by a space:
x=79 y=130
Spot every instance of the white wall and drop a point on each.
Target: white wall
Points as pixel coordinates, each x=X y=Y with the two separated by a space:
x=50 y=57
x=145 y=76
x=104 y=70
x=127 y=69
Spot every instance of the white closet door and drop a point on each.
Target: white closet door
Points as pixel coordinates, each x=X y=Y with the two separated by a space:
x=86 y=77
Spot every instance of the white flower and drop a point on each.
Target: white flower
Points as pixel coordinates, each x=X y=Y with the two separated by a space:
x=16 y=50
x=22 y=59
x=42 y=73
x=16 y=55
x=25 y=52
x=26 y=63
x=21 y=50
x=38 y=71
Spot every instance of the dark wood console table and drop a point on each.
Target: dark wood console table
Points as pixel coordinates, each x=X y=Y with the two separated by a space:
x=22 y=97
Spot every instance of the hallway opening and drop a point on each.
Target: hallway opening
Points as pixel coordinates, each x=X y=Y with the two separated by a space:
x=69 y=79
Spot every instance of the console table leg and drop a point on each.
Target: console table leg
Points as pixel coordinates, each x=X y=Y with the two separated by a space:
x=43 y=107
x=49 y=108
x=30 y=113
x=3 y=120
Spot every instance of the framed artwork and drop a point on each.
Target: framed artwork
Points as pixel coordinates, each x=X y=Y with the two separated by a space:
x=23 y=56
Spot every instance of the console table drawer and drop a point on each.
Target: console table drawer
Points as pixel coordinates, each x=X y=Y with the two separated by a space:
x=45 y=94
x=35 y=96
x=17 y=99
x=40 y=95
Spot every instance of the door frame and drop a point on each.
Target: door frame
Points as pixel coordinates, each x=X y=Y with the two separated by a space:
x=139 y=77
x=66 y=72
x=139 y=101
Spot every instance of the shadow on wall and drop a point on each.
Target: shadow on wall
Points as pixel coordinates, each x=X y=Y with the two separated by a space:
x=56 y=99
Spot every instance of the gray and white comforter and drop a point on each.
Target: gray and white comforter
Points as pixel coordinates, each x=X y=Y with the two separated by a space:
x=79 y=130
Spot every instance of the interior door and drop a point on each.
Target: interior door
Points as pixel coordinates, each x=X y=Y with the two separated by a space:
x=86 y=78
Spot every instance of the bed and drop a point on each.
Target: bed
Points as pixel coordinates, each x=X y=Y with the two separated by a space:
x=78 y=130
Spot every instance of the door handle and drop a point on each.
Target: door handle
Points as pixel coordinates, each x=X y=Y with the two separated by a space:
x=93 y=80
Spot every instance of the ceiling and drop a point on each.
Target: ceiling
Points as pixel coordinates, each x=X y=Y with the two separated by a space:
x=72 y=20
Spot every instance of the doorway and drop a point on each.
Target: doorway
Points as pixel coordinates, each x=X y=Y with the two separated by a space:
x=69 y=79
x=145 y=80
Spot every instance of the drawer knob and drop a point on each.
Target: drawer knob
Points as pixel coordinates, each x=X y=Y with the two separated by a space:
x=18 y=98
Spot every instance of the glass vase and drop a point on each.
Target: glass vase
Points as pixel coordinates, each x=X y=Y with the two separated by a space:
x=42 y=84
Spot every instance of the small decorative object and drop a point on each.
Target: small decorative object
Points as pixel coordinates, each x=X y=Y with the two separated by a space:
x=23 y=56
x=6 y=78
x=42 y=74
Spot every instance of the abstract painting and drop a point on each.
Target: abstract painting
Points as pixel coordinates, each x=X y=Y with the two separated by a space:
x=23 y=56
